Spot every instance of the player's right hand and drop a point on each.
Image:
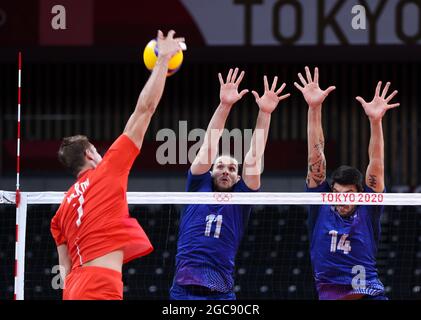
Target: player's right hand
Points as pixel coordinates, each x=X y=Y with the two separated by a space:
x=311 y=91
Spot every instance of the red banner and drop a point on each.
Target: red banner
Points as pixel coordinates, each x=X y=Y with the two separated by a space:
x=93 y=22
x=68 y=23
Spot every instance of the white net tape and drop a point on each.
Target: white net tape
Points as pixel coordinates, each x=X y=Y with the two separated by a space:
x=260 y=198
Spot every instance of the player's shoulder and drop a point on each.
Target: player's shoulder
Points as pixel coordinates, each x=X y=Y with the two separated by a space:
x=123 y=141
x=241 y=186
x=196 y=175
x=201 y=177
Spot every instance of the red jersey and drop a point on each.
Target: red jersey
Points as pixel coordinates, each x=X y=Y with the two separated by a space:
x=93 y=218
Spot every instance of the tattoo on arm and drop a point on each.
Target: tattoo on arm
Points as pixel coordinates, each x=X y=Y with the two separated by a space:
x=317 y=167
x=372 y=181
x=320 y=146
x=317 y=171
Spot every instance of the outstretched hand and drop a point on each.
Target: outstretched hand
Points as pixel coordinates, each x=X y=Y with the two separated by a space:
x=270 y=98
x=376 y=109
x=229 y=89
x=311 y=91
x=168 y=46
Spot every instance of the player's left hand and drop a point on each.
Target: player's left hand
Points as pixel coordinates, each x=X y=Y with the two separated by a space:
x=228 y=92
x=376 y=109
x=270 y=98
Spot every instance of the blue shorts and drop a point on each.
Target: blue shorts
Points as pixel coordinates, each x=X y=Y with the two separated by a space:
x=178 y=292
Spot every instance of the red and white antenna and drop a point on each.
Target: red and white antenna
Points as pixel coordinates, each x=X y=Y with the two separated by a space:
x=18 y=135
x=19 y=262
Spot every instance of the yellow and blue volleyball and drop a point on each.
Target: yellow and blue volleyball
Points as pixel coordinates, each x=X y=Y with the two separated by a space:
x=150 y=56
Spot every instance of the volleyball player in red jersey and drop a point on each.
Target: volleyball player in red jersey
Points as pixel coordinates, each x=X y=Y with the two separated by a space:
x=92 y=228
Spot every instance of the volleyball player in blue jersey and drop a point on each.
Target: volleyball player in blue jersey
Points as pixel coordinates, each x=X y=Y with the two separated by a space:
x=344 y=238
x=209 y=235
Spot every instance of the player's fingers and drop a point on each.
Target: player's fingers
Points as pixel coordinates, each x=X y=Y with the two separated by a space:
x=329 y=90
x=171 y=34
x=386 y=88
x=316 y=75
x=265 y=81
x=181 y=42
x=391 y=106
x=274 y=83
x=234 y=75
x=284 y=96
x=160 y=34
x=361 y=100
x=280 y=89
x=256 y=95
x=237 y=83
x=298 y=86
x=180 y=39
x=229 y=76
x=391 y=96
x=183 y=46
x=302 y=79
x=243 y=92
x=379 y=85
x=308 y=74
x=221 y=81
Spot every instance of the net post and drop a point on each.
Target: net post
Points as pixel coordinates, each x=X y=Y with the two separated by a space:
x=21 y=213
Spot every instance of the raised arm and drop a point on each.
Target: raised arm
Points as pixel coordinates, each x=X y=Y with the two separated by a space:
x=314 y=97
x=375 y=110
x=267 y=104
x=152 y=91
x=228 y=96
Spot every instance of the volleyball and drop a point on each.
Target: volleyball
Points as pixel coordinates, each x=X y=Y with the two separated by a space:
x=150 y=56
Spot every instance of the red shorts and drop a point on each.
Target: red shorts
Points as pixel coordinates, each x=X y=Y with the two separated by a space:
x=93 y=283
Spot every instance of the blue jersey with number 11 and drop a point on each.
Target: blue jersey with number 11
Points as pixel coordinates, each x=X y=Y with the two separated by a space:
x=209 y=237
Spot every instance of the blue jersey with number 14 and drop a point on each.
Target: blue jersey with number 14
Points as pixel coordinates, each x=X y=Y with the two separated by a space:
x=209 y=237
x=343 y=250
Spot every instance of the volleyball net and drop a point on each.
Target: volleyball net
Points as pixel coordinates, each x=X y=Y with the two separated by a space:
x=273 y=261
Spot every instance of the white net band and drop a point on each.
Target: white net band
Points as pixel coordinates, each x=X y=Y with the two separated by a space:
x=250 y=198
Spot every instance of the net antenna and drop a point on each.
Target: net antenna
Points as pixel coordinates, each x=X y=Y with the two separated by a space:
x=20 y=206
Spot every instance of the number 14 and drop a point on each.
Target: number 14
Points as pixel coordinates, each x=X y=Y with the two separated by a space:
x=344 y=245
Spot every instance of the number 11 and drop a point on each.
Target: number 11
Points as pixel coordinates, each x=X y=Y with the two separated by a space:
x=209 y=220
